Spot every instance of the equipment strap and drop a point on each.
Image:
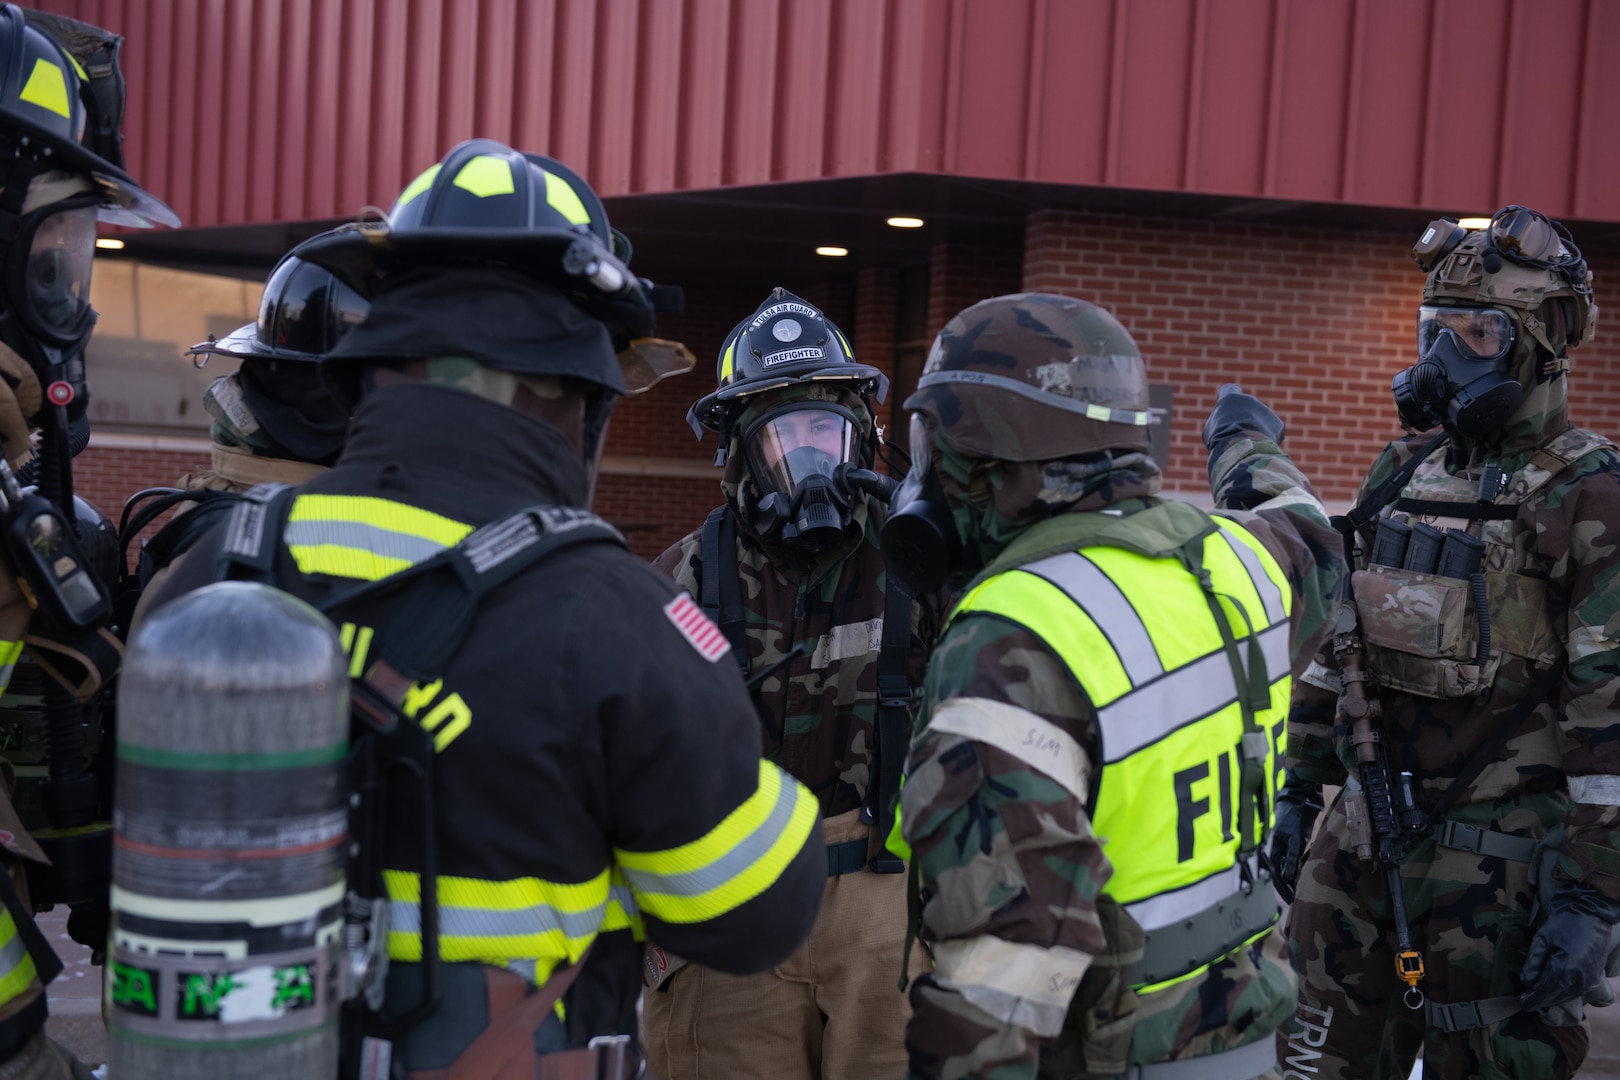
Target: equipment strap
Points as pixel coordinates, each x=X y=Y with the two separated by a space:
x=509 y=1038
x=893 y=718
x=1491 y=749
x=721 y=587
x=1472 y=511
x=1487 y=842
x=1171 y=951
x=846 y=858
x=1466 y=1015
x=1379 y=497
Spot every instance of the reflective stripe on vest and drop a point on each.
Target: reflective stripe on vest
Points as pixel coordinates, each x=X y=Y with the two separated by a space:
x=363 y=537
x=16 y=966
x=1138 y=635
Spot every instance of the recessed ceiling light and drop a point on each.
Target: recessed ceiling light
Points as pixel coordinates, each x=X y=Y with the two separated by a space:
x=906 y=222
x=832 y=252
x=1475 y=222
x=110 y=243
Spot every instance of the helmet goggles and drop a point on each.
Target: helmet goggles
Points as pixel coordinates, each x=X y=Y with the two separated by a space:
x=1479 y=333
x=48 y=268
x=786 y=446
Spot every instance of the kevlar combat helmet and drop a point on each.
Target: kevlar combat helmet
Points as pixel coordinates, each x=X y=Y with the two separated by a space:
x=793 y=400
x=1020 y=382
x=1501 y=308
x=303 y=313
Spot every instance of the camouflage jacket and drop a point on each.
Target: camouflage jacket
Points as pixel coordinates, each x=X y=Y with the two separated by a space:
x=1553 y=574
x=1006 y=851
x=819 y=719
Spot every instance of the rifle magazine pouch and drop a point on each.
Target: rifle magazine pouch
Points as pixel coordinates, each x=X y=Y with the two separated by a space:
x=1420 y=633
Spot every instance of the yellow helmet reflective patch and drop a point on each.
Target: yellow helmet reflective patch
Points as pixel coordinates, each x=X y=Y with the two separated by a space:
x=84 y=76
x=47 y=88
x=486 y=175
x=725 y=366
x=565 y=200
x=417 y=186
x=849 y=352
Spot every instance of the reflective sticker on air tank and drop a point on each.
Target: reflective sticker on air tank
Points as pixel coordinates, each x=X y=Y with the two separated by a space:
x=256 y=993
x=135 y=989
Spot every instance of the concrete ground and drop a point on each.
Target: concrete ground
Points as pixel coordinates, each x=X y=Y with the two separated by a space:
x=75 y=999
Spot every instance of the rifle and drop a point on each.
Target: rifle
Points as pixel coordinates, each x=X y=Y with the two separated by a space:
x=1381 y=815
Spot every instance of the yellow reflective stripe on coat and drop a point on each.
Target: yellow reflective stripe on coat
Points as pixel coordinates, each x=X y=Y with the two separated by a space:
x=500 y=922
x=1138 y=635
x=364 y=537
x=9 y=652
x=736 y=861
x=16 y=966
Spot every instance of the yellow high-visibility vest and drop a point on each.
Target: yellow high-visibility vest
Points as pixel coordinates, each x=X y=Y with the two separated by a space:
x=1186 y=784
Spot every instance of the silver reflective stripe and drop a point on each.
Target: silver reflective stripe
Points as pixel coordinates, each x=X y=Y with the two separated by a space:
x=1097 y=595
x=1032 y=739
x=1191 y=692
x=749 y=851
x=353 y=534
x=1026 y=985
x=1270 y=595
x=1035 y=393
x=12 y=954
x=1189 y=900
x=1595 y=790
x=406 y=918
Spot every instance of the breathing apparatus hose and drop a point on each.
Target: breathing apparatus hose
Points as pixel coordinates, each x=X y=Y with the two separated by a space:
x=1482 y=614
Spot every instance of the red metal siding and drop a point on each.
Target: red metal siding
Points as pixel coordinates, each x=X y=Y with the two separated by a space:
x=261 y=110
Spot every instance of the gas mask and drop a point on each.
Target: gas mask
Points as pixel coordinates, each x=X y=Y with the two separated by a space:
x=919 y=539
x=794 y=456
x=1464 y=377
x=47 y=317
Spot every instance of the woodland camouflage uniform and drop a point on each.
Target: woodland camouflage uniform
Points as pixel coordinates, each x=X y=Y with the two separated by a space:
x=1005 y=850
x=832 y=1009
x=1552 y=571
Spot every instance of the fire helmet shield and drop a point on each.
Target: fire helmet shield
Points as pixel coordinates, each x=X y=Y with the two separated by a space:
x=1035 y=377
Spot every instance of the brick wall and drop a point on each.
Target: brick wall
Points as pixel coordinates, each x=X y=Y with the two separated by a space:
x=1316 y=321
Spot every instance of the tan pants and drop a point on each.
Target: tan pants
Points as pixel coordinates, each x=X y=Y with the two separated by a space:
x=831 y=1010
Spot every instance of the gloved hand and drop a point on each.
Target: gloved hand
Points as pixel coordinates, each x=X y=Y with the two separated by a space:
x=1568 y=953
x=20 y=401
x=1298 y=805
x=1235 y=413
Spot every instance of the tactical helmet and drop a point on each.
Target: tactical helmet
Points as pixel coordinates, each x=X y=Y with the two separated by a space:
x=1034 y=377
x=786 y=340
x=43 y=93
x=1522 y=261
x=488 y=205
x=303 y=312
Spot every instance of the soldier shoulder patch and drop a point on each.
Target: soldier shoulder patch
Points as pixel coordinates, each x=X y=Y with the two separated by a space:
x=696 y=628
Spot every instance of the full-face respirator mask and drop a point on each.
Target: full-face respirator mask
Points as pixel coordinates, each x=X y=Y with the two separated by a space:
x=1464 y=378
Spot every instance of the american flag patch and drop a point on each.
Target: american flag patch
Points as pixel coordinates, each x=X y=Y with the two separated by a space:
x=695 y=626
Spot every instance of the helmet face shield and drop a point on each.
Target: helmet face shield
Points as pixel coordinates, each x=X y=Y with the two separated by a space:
x=1478 y=333
x=50 y=266
x=789 y=445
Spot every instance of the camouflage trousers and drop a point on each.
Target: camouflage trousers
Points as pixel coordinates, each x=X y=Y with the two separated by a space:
x=1469 y=915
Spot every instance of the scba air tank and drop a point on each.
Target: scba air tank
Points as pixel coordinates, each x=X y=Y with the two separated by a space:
x=229 y=835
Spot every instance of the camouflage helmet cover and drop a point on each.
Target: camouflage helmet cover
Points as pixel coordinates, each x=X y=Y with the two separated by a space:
x=1474 y=272
x=1035 y=377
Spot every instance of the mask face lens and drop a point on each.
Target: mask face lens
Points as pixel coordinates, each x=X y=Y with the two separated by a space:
x=1479 y=333
x=58 y=272
x=788 y=446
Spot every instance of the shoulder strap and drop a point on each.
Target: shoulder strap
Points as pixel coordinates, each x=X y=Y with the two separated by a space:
x=1471 y=511
x=1379 y=497
x=253 y=534
x=722 y=589
x=438 y=597
x=893 y=716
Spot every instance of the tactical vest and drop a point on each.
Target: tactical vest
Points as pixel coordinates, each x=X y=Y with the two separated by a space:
x=1191 y=708
x=1422 y=630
